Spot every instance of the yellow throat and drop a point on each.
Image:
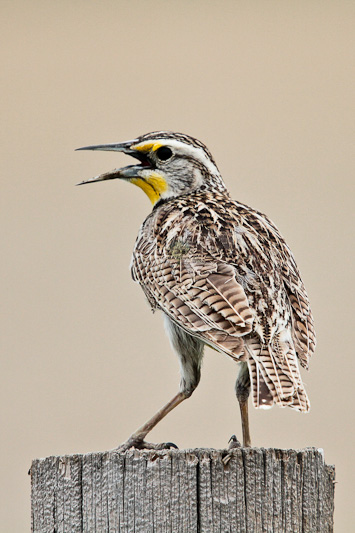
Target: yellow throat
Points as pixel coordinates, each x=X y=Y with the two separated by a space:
x=153 y=186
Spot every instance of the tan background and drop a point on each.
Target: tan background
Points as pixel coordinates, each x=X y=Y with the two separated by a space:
x=268 y=87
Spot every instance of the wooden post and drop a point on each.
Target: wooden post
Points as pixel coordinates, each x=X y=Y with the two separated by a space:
x=184 y=491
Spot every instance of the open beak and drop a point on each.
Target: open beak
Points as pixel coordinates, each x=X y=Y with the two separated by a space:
x=119 y=173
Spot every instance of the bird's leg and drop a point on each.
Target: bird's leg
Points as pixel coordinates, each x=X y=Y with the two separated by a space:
x=245 y=423
x=242 y=389
x=136 y=440
x=190 y=353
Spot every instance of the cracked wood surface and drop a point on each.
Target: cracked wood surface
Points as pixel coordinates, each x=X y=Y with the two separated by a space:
x=184 y=491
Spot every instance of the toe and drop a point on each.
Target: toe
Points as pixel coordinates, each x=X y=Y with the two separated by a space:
x=234 y=443
x=140 y=444
x=166 y=446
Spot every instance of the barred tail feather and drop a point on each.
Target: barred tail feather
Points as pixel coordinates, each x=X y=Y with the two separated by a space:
x=261 y=386
x=274 y=375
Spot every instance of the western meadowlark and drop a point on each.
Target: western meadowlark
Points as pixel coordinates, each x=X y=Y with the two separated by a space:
x=221 y=273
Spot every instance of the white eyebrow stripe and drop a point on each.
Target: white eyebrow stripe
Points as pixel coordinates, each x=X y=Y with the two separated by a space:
x=185 y=149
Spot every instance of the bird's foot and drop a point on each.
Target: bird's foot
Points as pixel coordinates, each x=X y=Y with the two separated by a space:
x=140 y=444
x=233 y=444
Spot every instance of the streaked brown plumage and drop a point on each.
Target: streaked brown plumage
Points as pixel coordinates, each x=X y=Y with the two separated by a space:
x=221 y=273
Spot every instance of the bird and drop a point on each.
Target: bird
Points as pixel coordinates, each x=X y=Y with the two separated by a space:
x=222 y=275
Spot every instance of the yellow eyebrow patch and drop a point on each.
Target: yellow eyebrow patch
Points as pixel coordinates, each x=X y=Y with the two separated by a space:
x=147 y=147
x=153 y=186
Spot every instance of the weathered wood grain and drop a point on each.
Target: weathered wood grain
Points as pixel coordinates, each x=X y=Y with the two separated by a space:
x=184 y=491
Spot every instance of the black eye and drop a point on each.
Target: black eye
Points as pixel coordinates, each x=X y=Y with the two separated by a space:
x=164 y=153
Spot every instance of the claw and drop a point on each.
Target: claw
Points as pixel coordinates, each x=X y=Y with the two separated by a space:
x=139 y=444
x=169 y=445
x=233 y=443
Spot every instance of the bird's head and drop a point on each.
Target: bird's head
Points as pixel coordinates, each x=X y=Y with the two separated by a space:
x=170 y=164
